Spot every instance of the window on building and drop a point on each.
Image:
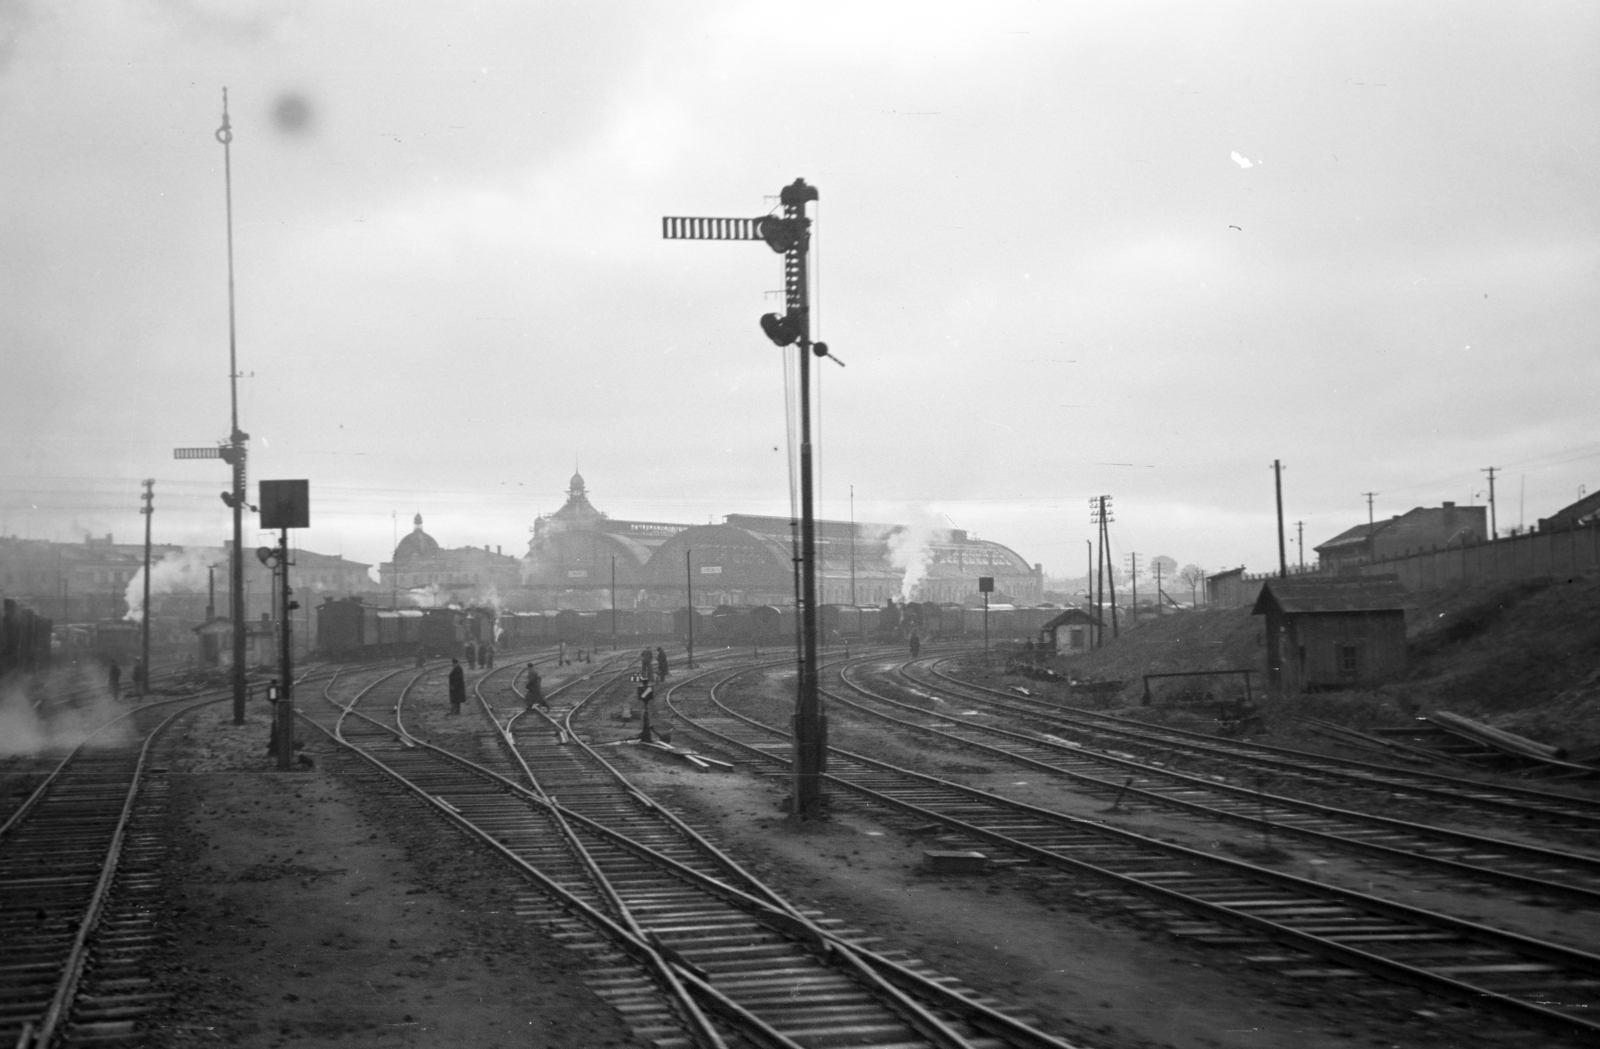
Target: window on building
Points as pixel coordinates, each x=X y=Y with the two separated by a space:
x=1348 y=659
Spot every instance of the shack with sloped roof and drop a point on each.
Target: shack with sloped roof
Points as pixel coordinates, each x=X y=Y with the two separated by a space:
x=1334 y=633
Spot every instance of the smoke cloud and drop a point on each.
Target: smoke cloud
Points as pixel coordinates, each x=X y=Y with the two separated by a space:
x=911 y=551
x=24 y=729
x=180 y=573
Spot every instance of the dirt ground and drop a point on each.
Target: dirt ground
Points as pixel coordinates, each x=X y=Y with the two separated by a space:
x=1100 y=966
x=315 y=908
x=309 y=908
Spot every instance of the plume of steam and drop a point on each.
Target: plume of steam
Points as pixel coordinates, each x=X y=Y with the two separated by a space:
x=911 y=551
x=25 y=729
x=180 y=573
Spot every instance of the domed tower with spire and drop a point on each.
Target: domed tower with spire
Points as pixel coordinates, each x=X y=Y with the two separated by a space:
x=417 y=545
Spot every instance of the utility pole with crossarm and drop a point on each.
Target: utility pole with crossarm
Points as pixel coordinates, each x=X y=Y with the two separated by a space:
x=789 y=234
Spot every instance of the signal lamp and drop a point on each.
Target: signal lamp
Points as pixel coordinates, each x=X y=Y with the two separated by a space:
x=781 y=330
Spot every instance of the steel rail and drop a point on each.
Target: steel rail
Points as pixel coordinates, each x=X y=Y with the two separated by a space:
x=682 y=972
x=786 y=923
x=640 y=949
x=45 y=1029
x=1522 y=801
x=774 y=909
x=1420 y=836
x=1232 y=911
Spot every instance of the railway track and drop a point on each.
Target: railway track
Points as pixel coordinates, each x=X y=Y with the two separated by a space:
x=1318 y=771
x=1299 y=928
x=79 y=862
x=1540 y=872
x=692 y=949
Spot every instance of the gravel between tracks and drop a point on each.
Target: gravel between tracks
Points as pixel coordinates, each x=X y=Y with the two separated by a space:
x=312 y=908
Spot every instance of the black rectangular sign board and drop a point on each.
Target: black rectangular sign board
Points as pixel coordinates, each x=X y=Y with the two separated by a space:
x=285 y=504
x=986 y=584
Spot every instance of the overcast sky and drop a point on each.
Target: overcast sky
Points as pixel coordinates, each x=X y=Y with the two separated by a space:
x=1064 y=249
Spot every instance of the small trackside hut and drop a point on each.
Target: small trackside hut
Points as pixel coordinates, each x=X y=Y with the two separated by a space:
x=1069 y=634
x=1332 y=633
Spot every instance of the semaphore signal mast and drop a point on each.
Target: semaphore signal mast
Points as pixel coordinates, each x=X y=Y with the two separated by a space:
x=789 y=234
x=232 y=451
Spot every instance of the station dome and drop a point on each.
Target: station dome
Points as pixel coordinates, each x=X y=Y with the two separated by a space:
x=417 y=545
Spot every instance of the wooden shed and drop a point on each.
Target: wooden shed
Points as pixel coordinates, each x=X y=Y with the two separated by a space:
x=1069 y=634
x=1326 y=633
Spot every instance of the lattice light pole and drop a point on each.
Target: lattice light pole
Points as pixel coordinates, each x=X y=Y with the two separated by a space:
x=790 y=235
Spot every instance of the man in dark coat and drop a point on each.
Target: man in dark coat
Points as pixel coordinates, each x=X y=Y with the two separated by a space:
x=661 y=663
x=488 y=655
x=116 y=681
x=916 y=645
x=458 y=686
x=534 y=692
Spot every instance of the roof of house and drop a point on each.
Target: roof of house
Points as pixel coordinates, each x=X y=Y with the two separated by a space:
x=1359 y=594
x=1353 y=536
x=1573 y=513
x=1070 y=616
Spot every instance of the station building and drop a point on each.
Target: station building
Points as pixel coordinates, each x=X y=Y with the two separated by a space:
x=421 y=565
x=578 y=557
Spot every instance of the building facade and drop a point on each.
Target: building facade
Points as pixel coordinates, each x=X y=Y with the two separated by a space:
x=421 y=572
x=1423 y=528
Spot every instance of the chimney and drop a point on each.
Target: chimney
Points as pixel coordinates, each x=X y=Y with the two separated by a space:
x=497 y=548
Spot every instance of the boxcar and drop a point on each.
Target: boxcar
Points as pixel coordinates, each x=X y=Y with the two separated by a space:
x=341 y=627
x=654 y=622
x=870 y=619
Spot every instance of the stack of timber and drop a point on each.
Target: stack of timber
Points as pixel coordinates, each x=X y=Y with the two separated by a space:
x=1508 y=742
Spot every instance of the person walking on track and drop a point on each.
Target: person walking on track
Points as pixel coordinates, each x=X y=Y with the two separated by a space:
x=458 y=686
x=661 y=663
x=916 y=645
x=534 y=691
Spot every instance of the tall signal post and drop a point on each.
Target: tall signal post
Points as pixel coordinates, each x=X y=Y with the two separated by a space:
x=789 y=234
x=232 y=451
x=284 y=505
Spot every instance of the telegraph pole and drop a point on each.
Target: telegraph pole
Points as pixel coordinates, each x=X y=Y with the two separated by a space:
x=614 y=602
x=1494 y=527
x=688 y=589
x=1088 y=586
x=1100 y=514
x=853 y=545
x=1277 y=483
x=790 y=235
x=1300 y=541
x=1133 y=570
x=148 y=510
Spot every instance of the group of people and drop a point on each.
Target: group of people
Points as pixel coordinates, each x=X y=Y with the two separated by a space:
x=114 y=679
x=533 y=692
x=660 y=661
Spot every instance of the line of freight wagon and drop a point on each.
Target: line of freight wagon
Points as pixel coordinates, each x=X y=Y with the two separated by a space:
x=348 y=627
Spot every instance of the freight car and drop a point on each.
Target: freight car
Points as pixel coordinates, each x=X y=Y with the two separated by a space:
x=349 y=629
x=24 y=640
